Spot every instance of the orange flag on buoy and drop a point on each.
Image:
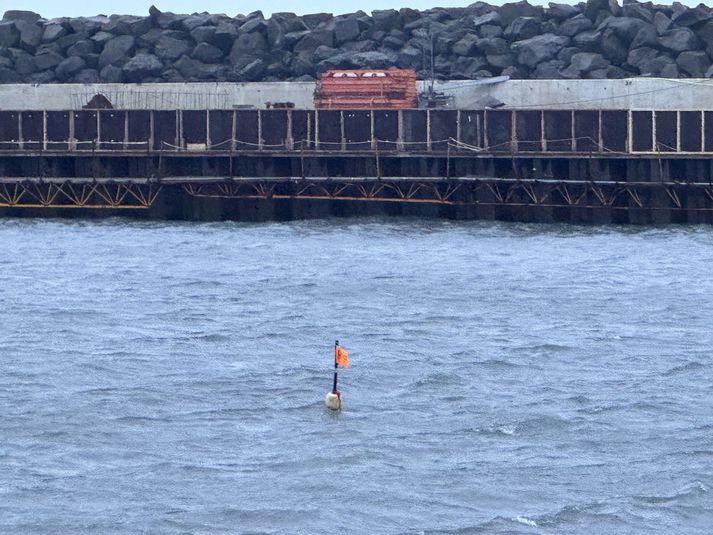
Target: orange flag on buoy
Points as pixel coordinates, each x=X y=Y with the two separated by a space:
x=342 y=357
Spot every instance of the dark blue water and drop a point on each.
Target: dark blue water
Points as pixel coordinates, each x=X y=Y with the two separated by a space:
x=169 y=378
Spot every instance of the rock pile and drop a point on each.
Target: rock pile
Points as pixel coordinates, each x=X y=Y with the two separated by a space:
x=597 y=39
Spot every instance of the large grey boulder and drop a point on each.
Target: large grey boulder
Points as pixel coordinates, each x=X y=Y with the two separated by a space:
x=207 y=53
x=638 y=11
x=466 y=46
x=192 y=69
x=386 y=19
x=639 y=58
x=42 y=77
x=705 y=33
x=374 y=59
x=467 y=68
x=324 y=52
x=509 y=12
x=87 y=76
x=47 y=60
x=127 y=25
x=9 y=34
x=694 y=63
x=394 y=42
x=253 y=25
x=86 y=26
x=625 y=28
x=52 y=32
x=490 y=30
x=82 y=48
x=584 y=62
x=247 y=48
x=148 y=40
x=288 y=22
x=102 y=38
x=313 y=20
x=224 y=36
x=364 y=60
x=309 y=41
x=410 y=57
x=139 y=25
x=69 y=67
x=588 y=40
x=359 y=46
x=24 y=63
x=19 y=15
x=30 y=35
x=292 y=38
x=443 y=45
x=170 y=48
x=561 y=12
x=9 y=76
x=252 y=71
x=346 y=29
x=662 y=23
x=300 y=67
x=523 y=28
x=548 y=70
x=112 y=74
x=501 y=61
x=566 y=53
x=117 y=51
x=537 y=49
x=647 y=36
x=490 y=19
x=203 y=34
x=165 y=20
x=692 y=17
x=142 y=66
x=659 y=66
x=493 y=46
x=191 y=22
x=613 y=47
x=573 y=26
x=514 y=73
x=275 y=33
x=679 y=40
x=68 y=40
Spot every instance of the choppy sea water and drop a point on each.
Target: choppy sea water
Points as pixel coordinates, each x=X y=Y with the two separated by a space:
x=505 y=378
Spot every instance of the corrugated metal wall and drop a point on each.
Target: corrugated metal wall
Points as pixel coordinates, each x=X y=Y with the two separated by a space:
x=497 y=131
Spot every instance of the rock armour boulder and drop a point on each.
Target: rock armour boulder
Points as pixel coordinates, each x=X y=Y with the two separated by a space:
x=596 y=39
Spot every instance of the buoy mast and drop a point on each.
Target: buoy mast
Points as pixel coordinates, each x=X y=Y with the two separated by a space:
x=333 y=399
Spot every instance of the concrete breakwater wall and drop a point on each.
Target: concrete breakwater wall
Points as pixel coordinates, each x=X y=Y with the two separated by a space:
x=596 y=39
x=628 y=94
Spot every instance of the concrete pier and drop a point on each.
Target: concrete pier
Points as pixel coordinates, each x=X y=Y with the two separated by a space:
x=589 y=165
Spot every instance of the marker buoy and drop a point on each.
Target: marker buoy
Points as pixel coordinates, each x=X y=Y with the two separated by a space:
x=333 y=399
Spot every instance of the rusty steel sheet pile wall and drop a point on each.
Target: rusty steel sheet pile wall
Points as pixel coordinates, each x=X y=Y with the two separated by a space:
x=459 y=132
x=366 y=89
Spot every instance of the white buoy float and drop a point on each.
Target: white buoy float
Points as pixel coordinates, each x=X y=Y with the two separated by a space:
x=333 y=399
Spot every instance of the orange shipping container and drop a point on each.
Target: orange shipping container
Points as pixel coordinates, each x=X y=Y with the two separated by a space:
x=366 y=89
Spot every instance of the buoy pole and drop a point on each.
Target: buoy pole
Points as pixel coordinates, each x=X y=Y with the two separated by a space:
x=334 y=386
x=333 y=399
